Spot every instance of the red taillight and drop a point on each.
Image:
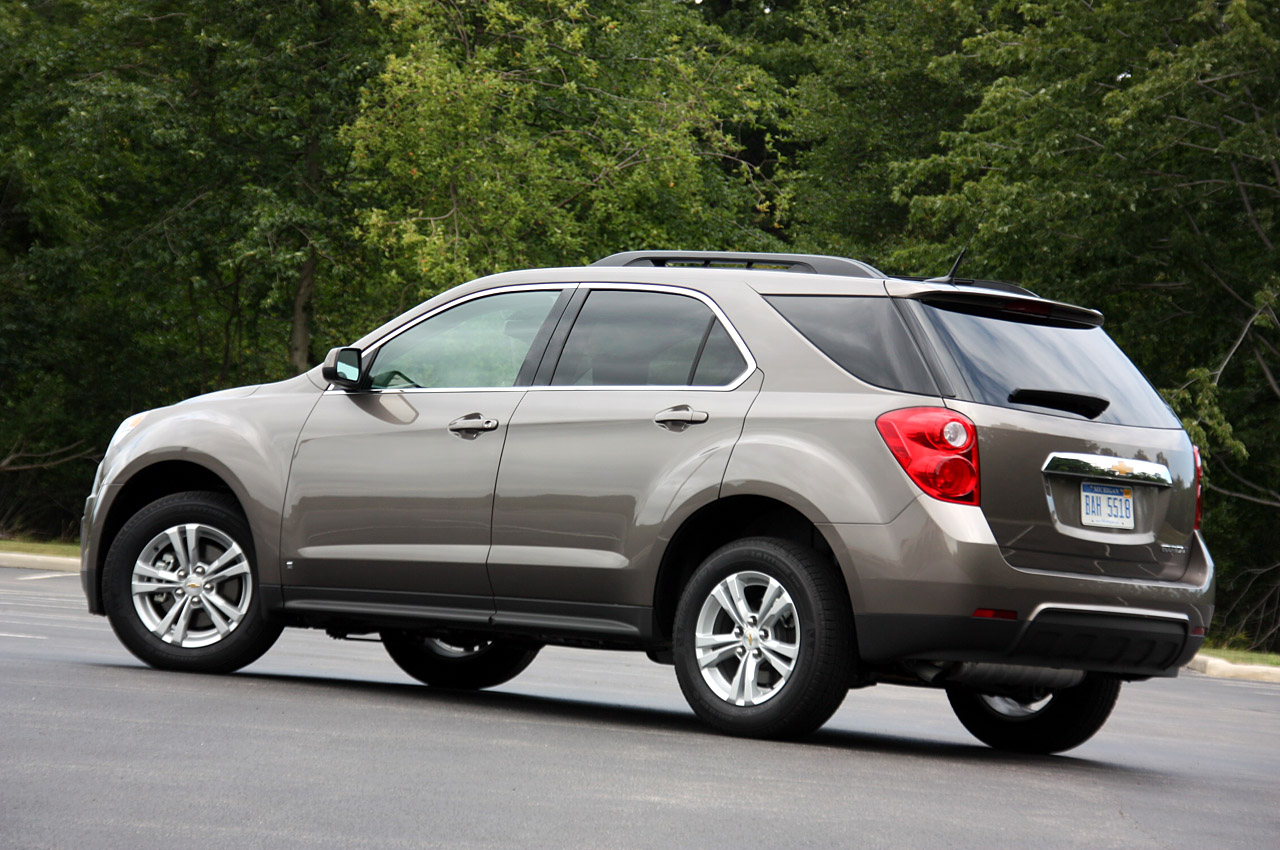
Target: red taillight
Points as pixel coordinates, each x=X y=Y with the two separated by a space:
x=1199 y=488
x=938 y=448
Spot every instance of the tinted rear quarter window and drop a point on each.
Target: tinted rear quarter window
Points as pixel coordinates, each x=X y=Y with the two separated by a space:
x=864 y=335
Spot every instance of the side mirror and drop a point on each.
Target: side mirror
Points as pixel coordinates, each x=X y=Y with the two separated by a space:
x=342 y=368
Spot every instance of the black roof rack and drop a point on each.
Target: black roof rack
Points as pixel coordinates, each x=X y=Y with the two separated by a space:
x=805 y=263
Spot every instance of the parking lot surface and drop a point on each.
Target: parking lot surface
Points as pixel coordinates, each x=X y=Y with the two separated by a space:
x=327 y=744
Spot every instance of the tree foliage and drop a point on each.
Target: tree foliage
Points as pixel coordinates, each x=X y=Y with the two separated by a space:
x=506 y=135
x=170 y=176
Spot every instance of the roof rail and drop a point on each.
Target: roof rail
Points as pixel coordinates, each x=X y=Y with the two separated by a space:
x=805 y=263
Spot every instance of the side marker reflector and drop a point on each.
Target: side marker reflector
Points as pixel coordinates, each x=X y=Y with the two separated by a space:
x=995 y=614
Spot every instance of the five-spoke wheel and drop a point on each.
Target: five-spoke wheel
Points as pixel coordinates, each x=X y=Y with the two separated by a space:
x=191 y=585
x=764 y=639
x=747 y=638
x=179 y=585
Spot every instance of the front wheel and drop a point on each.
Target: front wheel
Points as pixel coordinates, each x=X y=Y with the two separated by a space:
x=1060 y=721
x=179 y=586
x=464 y=663
x=764 y=639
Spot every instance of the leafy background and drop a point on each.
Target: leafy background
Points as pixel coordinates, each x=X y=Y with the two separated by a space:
x=197 y=194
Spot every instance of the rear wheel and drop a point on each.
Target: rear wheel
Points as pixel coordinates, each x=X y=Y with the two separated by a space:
x=180 y=586
x=764 y=639
x=469 y=663
x=1052 y=724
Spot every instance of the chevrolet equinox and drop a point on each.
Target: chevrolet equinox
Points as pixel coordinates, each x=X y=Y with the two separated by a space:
x=786 y=475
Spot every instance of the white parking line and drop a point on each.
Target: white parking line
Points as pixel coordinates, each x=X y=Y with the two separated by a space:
x=29 y=637
x=41 y=602
x=46 y=575
x=25 y=618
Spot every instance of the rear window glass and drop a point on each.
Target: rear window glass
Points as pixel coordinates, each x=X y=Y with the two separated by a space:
x=1000 y=358
x=864 y=335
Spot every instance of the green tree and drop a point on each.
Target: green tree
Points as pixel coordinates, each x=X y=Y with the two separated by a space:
x=876 y=94
x=517 y=134
x=173 y=199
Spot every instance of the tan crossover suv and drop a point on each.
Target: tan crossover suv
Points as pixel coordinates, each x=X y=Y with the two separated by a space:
x=787 y=475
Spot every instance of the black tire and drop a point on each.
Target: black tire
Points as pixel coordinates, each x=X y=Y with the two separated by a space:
x=224 y=627
x=743 y=688
x=1070 y=717
x=469 y=664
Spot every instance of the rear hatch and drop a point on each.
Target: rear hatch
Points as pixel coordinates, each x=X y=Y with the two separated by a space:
x=1084 y=468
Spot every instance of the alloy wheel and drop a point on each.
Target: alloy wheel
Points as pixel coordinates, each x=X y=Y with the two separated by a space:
x=747 y=638
x=191 y=585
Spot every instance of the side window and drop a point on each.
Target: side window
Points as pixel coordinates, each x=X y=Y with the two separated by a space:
x=865 y=336
x=721 y=361
x=625 y=338
x=480 y=343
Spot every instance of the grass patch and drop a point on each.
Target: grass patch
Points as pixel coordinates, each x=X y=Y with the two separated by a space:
x=1240 y=656
x=27 y=547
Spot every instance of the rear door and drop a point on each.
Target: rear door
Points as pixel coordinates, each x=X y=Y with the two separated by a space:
x=633 y=425
x=1084 y=468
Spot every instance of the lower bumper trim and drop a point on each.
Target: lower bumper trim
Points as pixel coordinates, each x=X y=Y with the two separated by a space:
x=1068 y=639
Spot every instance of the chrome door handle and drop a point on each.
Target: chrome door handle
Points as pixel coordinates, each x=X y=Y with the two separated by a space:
x=679 y=417
x=471 y=425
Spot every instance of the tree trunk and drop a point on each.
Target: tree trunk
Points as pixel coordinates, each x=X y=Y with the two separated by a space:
x=300 y=337
x=304 y=295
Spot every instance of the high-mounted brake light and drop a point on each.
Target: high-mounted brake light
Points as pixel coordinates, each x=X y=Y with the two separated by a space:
x=1199 y=488
x=1030 y=308
x=938 y=448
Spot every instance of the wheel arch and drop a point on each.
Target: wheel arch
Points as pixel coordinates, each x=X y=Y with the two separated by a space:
x=147 y=484
x=720 y=522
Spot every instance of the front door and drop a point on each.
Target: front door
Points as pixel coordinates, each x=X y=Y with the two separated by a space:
x=391 y=490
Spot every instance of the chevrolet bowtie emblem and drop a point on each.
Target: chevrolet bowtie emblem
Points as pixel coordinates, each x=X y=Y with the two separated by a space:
x=1121 y=468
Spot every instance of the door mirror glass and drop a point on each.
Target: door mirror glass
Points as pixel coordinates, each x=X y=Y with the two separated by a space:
x=342 y=367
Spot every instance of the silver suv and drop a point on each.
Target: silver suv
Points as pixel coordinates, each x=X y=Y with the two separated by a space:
x=787 y=475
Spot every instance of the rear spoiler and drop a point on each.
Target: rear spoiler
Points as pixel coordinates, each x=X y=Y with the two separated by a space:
x=1021 y=308
x=1000 y=285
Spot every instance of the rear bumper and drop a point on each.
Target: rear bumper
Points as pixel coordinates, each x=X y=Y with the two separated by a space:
x=1096 y=641
x=916 y=582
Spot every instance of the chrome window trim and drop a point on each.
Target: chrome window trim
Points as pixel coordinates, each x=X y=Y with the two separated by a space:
x=372 y=349
x=738 y=381
x=736 y=337
x=1103 y=466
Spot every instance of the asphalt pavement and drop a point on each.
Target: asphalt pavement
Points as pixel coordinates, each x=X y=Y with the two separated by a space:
x=1209 y=666
x=326 y=744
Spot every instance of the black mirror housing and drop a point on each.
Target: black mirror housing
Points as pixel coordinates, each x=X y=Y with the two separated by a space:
x=342 y=368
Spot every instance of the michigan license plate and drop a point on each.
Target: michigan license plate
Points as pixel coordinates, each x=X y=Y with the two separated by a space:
x=1106 y=506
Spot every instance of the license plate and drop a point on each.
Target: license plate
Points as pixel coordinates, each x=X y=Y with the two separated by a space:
x=1106 y=506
